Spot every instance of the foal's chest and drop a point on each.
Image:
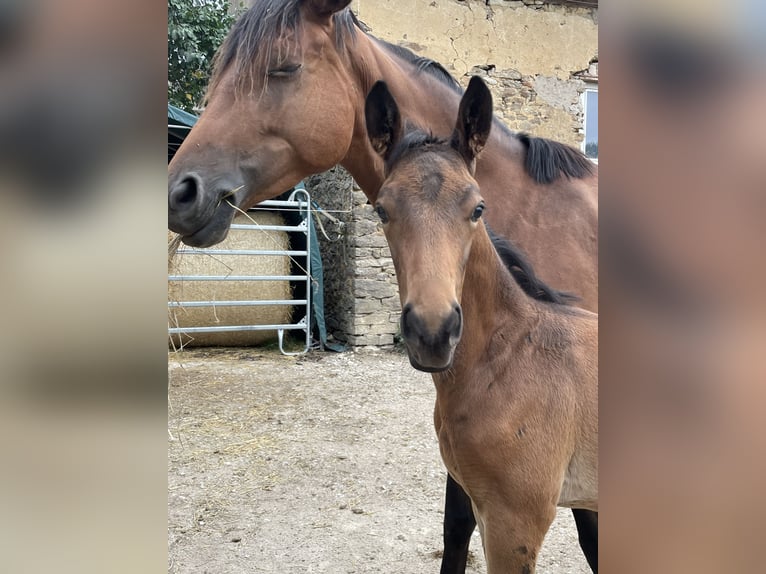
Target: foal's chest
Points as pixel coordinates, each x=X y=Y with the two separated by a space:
x=469 y=425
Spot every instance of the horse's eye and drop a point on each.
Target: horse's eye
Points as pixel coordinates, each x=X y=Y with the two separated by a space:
x=477 y=212
x=381 y=213
x=284 y=71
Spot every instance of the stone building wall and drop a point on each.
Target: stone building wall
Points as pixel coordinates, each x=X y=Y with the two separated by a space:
x=536 y=57
x=538 y=105
x=533 y=53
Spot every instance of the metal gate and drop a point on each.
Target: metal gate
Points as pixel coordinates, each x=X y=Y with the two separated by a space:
x=300 y=201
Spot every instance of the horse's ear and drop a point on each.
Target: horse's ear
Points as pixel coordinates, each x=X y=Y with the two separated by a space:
x=474 y=120
x=384 y=123
x=325 y=8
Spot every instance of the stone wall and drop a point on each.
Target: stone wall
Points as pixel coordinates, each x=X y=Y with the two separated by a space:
x=537 y=59
x=361 y=297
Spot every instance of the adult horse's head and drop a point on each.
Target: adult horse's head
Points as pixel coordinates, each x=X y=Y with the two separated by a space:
x=430 y=206
x=278 y=109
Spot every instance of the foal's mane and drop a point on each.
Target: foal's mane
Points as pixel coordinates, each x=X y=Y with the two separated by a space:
x=524 y=274
x=250 y=46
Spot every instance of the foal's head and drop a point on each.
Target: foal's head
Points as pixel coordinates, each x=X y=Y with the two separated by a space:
x=430 y=206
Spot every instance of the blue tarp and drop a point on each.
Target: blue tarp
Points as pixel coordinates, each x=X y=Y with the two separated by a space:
x=317 y=289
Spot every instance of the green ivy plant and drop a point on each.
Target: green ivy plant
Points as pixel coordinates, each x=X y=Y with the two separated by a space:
x=195 y=30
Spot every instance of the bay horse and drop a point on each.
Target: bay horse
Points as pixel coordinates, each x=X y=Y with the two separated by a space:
x=516 y=375
x=286 y=100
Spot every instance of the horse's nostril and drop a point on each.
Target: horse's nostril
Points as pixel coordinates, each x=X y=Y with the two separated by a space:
x=184 y=193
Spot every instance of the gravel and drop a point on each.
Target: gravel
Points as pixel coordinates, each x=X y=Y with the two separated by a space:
x=320 y=463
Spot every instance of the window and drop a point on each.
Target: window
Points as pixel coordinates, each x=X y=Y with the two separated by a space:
x=590 y=108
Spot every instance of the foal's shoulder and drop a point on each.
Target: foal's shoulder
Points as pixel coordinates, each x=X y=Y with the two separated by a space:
x=575 y=313
x=563 y=327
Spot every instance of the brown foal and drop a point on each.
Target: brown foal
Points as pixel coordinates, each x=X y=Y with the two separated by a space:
x=516 y=374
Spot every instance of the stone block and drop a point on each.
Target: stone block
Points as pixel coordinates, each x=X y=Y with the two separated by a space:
x=375 y=240
x=365 y=227
x=365 y=306
x=369 y=273
x=366 y=340
x=372 y=288
x=392 y=306
x=373 y=319
x=381 y=329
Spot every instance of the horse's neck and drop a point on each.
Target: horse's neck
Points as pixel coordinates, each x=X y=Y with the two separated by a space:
x=492 y=302
x=422 y=99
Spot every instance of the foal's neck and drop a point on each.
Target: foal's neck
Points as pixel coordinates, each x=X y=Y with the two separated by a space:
x=492 y=302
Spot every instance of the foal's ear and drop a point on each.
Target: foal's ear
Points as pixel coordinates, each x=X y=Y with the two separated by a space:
x=325 y=8
x=474 y=120
x=384 y=123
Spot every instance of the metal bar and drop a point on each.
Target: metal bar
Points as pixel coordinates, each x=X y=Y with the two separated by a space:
x=188 y=251
x=229 y=328
x=277 y=203
x=236 y=303
x=267 y=227
x=238 y=277
x=307 y=319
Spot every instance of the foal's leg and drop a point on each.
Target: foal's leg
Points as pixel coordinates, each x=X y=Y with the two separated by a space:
x=459 y=524
x=512 y=537
x=587 y=532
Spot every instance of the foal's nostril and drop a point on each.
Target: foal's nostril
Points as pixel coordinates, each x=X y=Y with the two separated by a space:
x=404 y=320
x=454 y=325
x=184 y=194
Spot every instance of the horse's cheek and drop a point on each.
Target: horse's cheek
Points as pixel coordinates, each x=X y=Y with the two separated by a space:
x=327 y=137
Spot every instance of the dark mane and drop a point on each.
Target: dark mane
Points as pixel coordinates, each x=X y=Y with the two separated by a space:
x=547 y=160
x=423 y=64
x=523 y=273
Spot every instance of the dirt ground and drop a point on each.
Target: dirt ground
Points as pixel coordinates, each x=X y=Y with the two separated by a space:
x=325 y=462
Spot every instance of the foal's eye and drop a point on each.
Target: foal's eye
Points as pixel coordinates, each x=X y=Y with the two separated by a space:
x=477 y=212
x=285 y=71
x=381 y=213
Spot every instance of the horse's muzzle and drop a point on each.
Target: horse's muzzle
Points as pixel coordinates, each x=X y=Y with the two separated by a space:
x=199 y=215
x=431 y=349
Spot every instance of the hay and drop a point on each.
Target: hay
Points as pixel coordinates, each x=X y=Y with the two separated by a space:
x=206 y=264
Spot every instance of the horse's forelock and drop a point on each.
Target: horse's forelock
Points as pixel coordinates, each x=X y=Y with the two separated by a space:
x=251 y=42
